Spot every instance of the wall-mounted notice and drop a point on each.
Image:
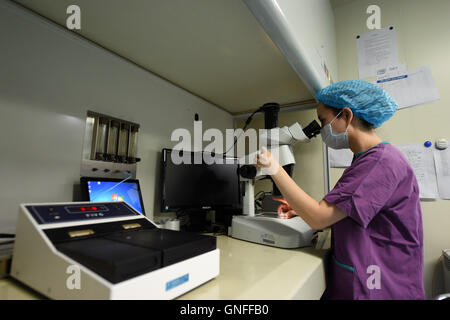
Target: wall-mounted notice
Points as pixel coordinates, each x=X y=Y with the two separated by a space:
x=376 y=50
x=412 y=88
x=442 y=162
x=391 y=71
x=421 y=160
x=431 y=167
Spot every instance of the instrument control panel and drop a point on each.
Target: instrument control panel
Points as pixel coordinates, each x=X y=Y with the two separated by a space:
x=54 y=213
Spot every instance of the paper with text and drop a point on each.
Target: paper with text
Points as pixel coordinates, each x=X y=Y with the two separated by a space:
x=442 y=162
x=421 y=160
x=376 y=50
x=416 y=87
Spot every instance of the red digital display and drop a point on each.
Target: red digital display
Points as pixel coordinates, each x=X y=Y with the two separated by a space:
x=88 y=209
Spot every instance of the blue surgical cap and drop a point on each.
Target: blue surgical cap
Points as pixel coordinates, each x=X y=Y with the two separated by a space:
x=366 y=100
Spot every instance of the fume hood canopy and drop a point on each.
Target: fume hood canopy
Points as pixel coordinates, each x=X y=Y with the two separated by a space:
x=215 y=49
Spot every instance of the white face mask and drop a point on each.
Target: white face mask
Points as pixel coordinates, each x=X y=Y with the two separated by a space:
x=334 y=140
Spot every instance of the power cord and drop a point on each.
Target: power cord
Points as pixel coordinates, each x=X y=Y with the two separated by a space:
x=259 y=197
x=247 y=122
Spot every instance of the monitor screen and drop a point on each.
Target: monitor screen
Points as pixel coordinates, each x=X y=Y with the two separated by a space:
x=103 y=189
x=199 y=186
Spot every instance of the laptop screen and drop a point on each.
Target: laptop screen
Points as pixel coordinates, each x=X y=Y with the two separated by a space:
x=128 y=191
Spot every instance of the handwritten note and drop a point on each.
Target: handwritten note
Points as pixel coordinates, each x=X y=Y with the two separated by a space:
x=442 y=162
x=421 y=160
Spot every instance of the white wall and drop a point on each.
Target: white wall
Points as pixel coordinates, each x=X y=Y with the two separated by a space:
x=49 y=79
x=423 y=35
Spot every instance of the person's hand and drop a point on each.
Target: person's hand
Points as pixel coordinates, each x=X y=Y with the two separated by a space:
x=268 y=164
x=287 y=215
x=284 y=209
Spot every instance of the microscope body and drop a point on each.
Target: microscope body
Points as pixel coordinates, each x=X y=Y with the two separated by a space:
x=279 y=142
x=266 y=228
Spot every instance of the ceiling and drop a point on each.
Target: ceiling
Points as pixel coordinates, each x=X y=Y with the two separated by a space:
x=338 y=3
x=214 y=49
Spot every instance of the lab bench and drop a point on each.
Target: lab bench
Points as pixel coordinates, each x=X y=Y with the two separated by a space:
x=248 y=271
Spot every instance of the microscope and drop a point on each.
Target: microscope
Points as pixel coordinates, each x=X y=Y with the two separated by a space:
x=266 y=227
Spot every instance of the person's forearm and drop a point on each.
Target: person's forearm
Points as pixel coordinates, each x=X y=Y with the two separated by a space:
x=318 y=215
x=305 y=206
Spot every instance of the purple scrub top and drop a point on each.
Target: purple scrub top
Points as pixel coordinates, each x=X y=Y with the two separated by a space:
x=377 y=251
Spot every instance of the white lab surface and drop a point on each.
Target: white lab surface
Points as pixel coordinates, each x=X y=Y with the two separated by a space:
x=248 y=271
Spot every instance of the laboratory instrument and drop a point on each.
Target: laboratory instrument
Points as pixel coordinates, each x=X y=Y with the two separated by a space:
x=107 y=250
x=266 y=227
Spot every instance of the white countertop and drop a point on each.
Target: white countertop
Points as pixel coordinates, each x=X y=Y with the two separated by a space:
x=254 y=271
x=248 y=271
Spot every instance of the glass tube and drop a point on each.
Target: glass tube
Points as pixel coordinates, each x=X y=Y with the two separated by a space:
x=102 y=139
x=123 y=142
x=113 y=140
x=132 y=150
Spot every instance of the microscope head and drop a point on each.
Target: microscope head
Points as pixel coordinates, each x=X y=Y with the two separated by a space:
x=279 y=142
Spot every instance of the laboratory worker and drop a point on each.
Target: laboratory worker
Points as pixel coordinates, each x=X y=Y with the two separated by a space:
x=373 y=210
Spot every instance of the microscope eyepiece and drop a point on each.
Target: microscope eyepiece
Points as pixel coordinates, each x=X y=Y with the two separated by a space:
x=312 y=129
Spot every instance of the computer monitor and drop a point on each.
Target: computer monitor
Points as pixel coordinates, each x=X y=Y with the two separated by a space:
x=199 y=186
x=108 y=189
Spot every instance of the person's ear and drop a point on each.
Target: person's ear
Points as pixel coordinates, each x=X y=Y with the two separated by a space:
x=348 y=115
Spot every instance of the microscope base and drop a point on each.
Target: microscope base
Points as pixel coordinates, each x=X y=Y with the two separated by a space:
x=270 y=230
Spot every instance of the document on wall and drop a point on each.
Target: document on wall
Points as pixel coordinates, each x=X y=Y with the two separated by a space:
x=412 y=88
x=442 y=162
x=421 y=160
x=376 y=50
x=341 y=158
x=388 y=72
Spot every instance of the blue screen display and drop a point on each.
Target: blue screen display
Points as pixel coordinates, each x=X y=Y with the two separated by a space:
x=102 y=191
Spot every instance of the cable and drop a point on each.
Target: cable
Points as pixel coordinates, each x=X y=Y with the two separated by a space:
x=129 y=175
x=260 y=198
x=259 y=204
x=7 y=235
x=256 y=195
x=6 y=242
x=247 y=122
